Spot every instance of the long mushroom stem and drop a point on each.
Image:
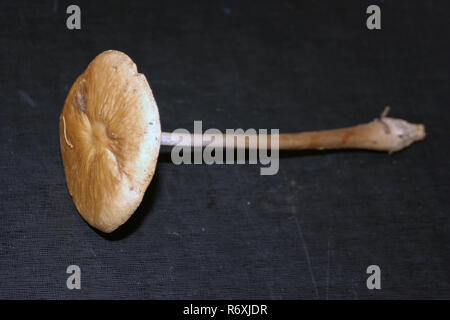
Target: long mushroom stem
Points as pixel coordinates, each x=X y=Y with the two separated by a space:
x=381 y=134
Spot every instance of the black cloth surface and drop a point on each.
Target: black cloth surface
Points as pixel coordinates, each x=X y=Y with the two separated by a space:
x=225 y=231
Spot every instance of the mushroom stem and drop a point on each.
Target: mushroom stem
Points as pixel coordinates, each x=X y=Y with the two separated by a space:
x=382 y=134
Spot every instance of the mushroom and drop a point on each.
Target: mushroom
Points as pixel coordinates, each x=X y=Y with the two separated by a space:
x=110 y=136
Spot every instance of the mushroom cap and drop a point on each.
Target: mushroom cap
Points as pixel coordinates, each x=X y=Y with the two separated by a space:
x=110 y=138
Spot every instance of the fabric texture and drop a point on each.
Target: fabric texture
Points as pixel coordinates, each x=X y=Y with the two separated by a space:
x=225 y=231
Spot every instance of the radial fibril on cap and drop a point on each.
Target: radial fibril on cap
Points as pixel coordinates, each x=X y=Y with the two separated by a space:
x=110 y=138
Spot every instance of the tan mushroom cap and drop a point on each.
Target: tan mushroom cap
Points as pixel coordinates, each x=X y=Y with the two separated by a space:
x=110 y=137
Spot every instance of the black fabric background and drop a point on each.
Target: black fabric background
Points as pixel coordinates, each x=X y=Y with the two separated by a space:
x=224 y=231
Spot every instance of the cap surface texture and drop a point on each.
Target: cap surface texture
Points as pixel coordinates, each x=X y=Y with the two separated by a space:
x=110 y=137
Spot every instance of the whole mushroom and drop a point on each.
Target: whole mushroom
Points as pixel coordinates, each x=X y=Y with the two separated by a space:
x=110 y=136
